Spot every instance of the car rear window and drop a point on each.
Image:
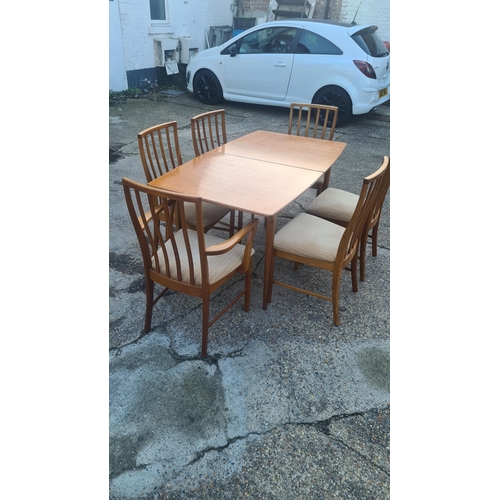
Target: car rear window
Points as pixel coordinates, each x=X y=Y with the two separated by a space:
x=370 y=42
x=312 y=43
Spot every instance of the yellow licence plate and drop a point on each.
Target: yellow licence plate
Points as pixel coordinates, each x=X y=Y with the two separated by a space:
x=382 y=93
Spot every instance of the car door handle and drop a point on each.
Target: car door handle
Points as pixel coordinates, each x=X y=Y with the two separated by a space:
x=280 y=64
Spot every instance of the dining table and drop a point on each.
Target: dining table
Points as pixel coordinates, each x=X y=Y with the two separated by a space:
x=259 y=173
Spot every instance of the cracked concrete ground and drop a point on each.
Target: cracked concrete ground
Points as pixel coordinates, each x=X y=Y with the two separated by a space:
x=285 y=406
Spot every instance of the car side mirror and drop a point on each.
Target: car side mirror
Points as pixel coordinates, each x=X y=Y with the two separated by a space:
x=233 y=51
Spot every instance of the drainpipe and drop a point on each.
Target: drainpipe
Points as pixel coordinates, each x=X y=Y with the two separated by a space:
x=327 y=9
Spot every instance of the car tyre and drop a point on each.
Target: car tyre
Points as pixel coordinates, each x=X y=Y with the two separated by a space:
x=206 y=87
x=335 y=96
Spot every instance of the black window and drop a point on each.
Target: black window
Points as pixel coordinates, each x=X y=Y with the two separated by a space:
x=370 y=42
x=312 y=43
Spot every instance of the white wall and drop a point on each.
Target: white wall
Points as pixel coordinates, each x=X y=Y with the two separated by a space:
x=187 y=18
x=370 y=12
x=117 y=72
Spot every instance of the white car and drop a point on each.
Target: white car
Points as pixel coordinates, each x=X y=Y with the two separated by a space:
x=298 y=60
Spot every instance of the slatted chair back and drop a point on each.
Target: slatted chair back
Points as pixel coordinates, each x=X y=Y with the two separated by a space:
x=208 y=131
x=159 y=149
x=366 y=208
x=313 y=120
x=176 y=256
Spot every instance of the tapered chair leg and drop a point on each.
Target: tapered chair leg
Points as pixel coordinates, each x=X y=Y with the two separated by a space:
x=150 y=286
x=335 y=298
x=354 y=272
x=362 y=255
x=204 y=334
x=248 y=289
x=374 y=239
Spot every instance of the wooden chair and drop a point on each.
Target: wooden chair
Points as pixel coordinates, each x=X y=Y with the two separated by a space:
x=313 y=120
x=160 y=153
x=308 y=239
x=182 y=259
x=208 y=131
x=337 y=205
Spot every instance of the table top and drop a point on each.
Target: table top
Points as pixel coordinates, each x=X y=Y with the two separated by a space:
x=260 y=173
x=296 y=151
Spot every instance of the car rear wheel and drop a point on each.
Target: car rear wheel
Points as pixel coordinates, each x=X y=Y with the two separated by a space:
x=335 y=96
x=206 y=87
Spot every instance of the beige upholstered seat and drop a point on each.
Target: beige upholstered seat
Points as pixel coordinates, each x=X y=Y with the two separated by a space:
x=310 y=240
x=334 y=205
x=183 y=259
x=313 y=120
x=219 y=266
x=337 y=205
x=160 y=153
x=309 y=236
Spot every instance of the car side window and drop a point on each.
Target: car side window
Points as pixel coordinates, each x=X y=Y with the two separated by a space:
x=265 y=41
x=311 y=43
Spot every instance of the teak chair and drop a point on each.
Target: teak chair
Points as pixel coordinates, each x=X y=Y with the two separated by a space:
x=160 y=153
x=185 y=260
x=208 y=131
x=337 y=205
x=308 y=239
x=313 y=120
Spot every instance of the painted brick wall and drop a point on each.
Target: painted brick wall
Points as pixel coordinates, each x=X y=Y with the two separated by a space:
x=371 y=11
x=187 y=18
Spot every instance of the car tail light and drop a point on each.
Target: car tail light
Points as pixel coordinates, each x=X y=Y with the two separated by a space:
x=366 y=69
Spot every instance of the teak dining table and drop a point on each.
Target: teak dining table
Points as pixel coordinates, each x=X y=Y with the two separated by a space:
x=259 y=173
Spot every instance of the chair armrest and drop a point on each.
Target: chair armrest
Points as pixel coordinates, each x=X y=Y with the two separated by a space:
x=249 y=229
x=149 y=216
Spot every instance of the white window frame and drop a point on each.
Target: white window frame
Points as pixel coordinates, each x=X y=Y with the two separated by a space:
x=159 y=21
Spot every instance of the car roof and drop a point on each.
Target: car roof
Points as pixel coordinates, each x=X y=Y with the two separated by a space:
x=319 y=21
x=350 y=28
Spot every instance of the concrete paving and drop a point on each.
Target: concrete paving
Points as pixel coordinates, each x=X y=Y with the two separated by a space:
x=286 y=405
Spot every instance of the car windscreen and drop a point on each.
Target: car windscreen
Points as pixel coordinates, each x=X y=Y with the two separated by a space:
x=370 y=42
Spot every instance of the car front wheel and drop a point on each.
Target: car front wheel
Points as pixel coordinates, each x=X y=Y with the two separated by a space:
x=206 y=87
x=335 y=96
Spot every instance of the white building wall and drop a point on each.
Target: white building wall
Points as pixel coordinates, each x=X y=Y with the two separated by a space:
x=186 y=18
x=370 y=12
x=117 y=72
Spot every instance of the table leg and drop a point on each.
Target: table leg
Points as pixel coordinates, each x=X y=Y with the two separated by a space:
x=270 y=230
x=326 y=182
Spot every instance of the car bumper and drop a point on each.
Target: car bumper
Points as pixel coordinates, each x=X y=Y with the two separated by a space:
x=369 y=98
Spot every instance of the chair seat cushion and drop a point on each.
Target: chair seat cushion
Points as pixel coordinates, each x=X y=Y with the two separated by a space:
x=219 y=266
x=310 y=236
x=334 y=204
x=211 y=213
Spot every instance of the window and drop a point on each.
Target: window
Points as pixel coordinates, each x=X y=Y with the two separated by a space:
x=312 y=43
x=158 y=10
x=265 y=41
x=370 y=42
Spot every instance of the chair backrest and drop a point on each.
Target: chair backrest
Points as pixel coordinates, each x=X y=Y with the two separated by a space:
x=374 y=215
x=159 y=149
x=170 y=250
x=208 y=131
x=370 y=193
x=313 y=120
